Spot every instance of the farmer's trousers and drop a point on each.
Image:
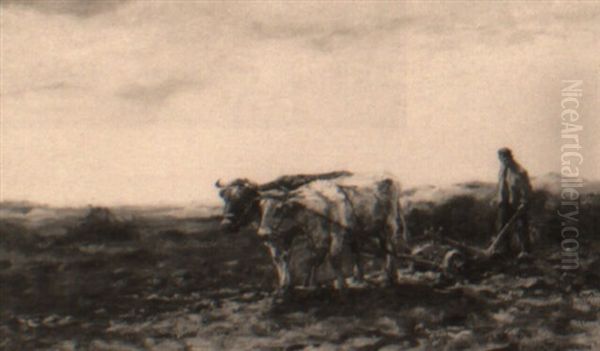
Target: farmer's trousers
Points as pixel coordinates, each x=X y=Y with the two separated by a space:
x=519 y=230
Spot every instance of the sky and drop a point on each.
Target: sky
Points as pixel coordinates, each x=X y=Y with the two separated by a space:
x=149 y=102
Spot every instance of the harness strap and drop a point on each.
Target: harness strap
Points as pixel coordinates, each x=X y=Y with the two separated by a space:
x=349 y=201
x=318 y=214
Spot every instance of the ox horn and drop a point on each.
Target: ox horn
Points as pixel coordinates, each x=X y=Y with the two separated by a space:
x=218 y=184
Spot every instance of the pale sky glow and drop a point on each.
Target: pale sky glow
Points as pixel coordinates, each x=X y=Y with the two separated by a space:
x=144 y=102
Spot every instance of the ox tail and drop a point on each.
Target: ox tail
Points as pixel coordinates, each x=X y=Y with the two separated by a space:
x=402 y=224
x=392 y=187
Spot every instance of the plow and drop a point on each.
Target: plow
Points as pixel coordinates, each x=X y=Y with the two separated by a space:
x=451 y=257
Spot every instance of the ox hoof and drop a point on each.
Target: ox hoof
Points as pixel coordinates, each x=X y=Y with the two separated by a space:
x=281 y=295
x=357 y=283
x=339 y=294
x=389 y=283
x=524 y=257
x=444 y=281
x=390 y=280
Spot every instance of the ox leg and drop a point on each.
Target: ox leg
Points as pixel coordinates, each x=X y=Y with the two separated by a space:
x=406 y=237
x=314 y=264
x=335 y=259
x=389 y=247
x=336 y=265
x=285 y=280
x=309 y=280
x=391 y=240
x=357 y=270
x=390 y=269
x=280 y=260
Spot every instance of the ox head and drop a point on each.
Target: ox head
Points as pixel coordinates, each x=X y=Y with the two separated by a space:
x=277 y=216
x=241 y=201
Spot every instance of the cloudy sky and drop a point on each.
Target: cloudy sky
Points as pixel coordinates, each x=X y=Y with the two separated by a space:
x=151 y=101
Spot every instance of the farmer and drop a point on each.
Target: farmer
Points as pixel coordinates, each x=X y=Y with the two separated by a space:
x=514 y=192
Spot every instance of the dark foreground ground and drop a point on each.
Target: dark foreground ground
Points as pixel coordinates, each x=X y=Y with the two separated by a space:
x=166 y=283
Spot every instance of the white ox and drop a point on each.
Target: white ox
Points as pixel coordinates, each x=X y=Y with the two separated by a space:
x=331 y=213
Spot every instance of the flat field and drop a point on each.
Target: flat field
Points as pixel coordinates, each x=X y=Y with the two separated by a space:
x=167 y=279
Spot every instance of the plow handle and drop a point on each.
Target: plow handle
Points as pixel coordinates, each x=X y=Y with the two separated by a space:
x=502 y=234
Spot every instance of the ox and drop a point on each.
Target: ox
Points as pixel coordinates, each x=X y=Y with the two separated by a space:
x=241 y=196
x=330 y=214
